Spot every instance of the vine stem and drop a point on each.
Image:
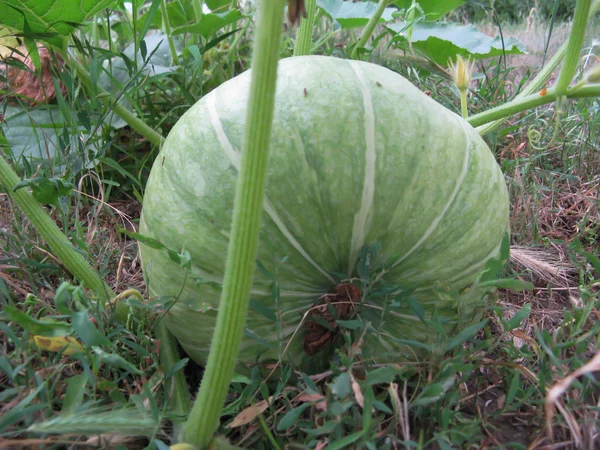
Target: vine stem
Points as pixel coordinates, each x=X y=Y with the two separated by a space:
x=582 y=11
x=60 y=245
x=167 y=28
x=373 y=21
x=108 y=100
x=247 y=213
x=529 y=102
x=303 y=43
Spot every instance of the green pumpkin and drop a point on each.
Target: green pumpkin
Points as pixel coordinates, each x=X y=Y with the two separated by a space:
x=358 y=156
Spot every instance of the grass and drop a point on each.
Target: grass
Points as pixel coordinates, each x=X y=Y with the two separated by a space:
x=490 y=391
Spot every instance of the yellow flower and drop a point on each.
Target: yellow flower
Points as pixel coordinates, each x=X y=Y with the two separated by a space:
x=461 y=72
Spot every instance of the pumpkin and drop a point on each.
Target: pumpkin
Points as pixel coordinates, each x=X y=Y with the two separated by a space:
x=368 y=178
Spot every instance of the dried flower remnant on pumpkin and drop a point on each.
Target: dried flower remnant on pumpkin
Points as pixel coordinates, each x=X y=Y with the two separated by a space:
x=461 y=72
x=344 y=299
x=36 y=88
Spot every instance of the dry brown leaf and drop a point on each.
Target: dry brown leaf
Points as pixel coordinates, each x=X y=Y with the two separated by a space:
x=36 y=88
x=360 y=398
x=108 y=440
x=559 y=388
x=322 y=444
x=317 y=399
x=249 y=414
x=523 y=335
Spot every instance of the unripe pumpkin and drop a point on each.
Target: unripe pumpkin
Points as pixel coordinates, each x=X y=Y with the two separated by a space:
x=358 y=156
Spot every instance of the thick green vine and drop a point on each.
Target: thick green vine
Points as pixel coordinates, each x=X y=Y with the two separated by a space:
x=303 y=43
x=247 y=213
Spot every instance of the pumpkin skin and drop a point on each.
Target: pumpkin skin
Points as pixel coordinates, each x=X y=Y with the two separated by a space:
x=358 y=155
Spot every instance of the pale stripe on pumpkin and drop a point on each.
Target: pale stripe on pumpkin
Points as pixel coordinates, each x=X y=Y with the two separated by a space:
x=459 y=182
x=235 y=158
x=362 y=217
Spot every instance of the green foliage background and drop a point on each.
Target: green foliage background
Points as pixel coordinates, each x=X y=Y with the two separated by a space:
x=517 y=10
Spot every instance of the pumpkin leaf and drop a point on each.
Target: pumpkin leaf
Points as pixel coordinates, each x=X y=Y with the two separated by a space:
x=49 y=19
x=37 y=135
x=346 y=14
x=8 y=42
x=217 y=4
x=443 y=41
x=183 y=19
x=210 y=23
x=122 y=72
x=430 y=10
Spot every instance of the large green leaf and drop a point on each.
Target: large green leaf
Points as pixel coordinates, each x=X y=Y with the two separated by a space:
x=159 y=61
x=182 y=19
x=210 y=23
x=441 y=41
x=180 y=13
x=49 y=16
x=432 y=9
x=352 y=15
x=217 y=5
x=38 y=136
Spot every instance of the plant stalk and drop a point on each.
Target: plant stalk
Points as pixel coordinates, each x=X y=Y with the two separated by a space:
x=513 y=107
x=60 y=245
x=529 y=102
x=591 y=90
x=463 y=103
x=409 y=19
x=167 y=28
x=106 y=98
x=247 y=213
x=580 y=19
x=373 y=21
x=303 y=44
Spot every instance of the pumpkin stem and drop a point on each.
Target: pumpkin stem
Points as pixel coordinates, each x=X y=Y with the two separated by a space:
x=247 y=214
x=303 y=44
